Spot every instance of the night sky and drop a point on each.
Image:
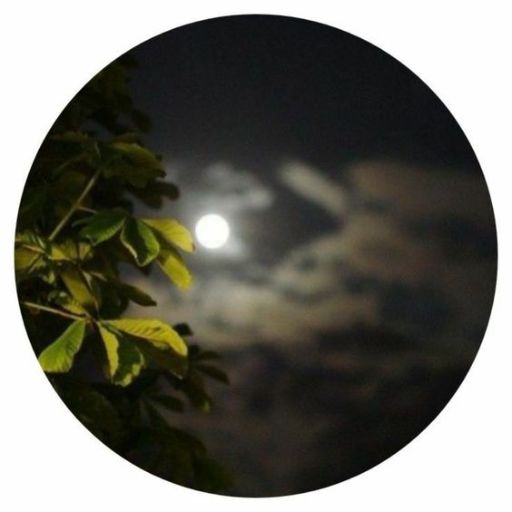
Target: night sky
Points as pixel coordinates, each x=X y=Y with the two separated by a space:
x=354 y=291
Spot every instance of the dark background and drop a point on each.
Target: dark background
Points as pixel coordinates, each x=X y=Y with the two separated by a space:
x=357 y=283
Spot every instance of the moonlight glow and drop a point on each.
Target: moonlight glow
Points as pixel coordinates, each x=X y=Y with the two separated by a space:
x=212 y=231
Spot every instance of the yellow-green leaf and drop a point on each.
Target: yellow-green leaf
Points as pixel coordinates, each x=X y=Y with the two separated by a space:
x=140 y=240
x=174 y=267
x=58 y=357
x=111 y=347
x=171 y=231
x=57 y=254
x=78 y=287
x=24 y=258
x=157 y=332
x=125 y=360
x=76 y=251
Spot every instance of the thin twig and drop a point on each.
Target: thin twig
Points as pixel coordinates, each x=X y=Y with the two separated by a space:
x=54 y=311
x=75 y=205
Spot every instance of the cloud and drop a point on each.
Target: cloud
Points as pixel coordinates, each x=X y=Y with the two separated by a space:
x=228 y=311
x=421 y=192
x=368 y=244
x=310 y=289
x=312 y=185
x=402 y=339
x=230 y=189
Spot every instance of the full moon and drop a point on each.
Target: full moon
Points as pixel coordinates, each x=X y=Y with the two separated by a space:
x=212 y=231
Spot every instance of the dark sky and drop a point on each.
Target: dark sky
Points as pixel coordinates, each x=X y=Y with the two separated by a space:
x=257 y=89
x=357 y=282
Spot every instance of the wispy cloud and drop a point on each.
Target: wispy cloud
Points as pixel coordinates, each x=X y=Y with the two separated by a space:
x=313 y=186
x=225 y=187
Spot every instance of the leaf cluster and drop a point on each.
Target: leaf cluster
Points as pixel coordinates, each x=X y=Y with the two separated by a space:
x=77 y=234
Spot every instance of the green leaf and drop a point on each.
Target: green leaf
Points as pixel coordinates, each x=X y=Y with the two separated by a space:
x=172 y=232
x=153 y=193
x=183 y=329
x=58 y=357
x=156 y=420
x=157 y=332
x=138 y=177
x=165 y=359
x=125 y=360
x=139 y=155
x=111 y=347
x=94 y=286
x=131 y=362
x=66 y=188
x=103 y=225
x=71 y=136
x=63 y=299
x=136 y=295
x=31 y=239
x=76 y=250
x=211 y=476
x=133 y=163
x=31 y=251
x=195 y=391
x=48 y=276
x=78 y=287
x=33 y=204
x=113 y=302
x=213 y=372
x=25 y=258
x=93 y=410
x=57 y=254
x=140 y=241
x=127 y=137
x=174 y=267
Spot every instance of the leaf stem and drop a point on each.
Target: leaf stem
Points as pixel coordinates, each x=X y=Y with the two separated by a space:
x=75 y=205
x=54 y=311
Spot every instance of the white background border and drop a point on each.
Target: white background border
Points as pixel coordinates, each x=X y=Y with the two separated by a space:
x=461 y=50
